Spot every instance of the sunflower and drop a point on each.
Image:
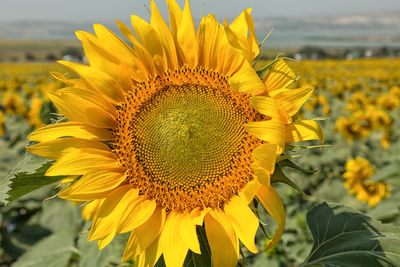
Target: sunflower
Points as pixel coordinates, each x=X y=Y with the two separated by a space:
x=371 y=192
x=351 y=128
x=34 y=112
x=173 y=133
x=2 y=121
x=13 y=104
x=357 y=170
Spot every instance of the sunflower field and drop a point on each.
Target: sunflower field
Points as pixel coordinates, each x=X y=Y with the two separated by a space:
x=357 y=104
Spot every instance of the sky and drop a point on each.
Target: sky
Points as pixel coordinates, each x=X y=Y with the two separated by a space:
x=98 y=11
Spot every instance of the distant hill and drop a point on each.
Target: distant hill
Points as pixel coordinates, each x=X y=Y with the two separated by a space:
x=54 y=30
x=368 y=29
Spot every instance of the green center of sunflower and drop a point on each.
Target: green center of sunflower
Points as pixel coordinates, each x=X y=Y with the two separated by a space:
x=186 y=138
x=181 y=139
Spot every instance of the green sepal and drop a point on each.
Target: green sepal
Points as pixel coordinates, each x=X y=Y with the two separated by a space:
x=291 y=164
x=262 y=72
x=195 y=260
x=280 y=177
x=293 y=147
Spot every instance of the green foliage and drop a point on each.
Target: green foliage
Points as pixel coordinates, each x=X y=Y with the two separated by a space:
x=52 y=251
x=196 y=260
x=23 y=180
x=47 y=111
x=91 y=256
x=345 y=237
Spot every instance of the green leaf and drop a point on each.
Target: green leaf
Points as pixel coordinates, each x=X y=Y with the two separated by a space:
x=91 y=256
x=195 y=260
x=52 y=251
x=387 y=172
x=345 y=237
x=58 y=214
x=4 y=188
x=23 y=180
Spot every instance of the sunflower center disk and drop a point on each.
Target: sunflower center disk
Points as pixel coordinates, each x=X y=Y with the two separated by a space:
x=185 y=138
x=185 y=145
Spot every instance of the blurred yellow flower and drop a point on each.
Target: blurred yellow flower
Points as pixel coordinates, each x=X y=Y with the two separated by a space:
x=34 y=112
x=371 y=192
x=14 y=104
x=351 y=128
x=357 y=170
x=2 y=121
x=357 y=101
x=388 y=101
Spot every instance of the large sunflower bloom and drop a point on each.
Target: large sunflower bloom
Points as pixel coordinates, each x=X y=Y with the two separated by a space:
x=175 y=132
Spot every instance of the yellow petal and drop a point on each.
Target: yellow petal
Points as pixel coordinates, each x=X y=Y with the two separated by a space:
x=279 y=76
x=261 y=175
x=238 y=42
x=102 y=82
x=222 y=240
x=265 y=105
x=215 y=52
x=54 y=149
x=136 y=215
x=100 y=51
x=198 y=214
x=101 y=58
x=105 y=222
x=80 y=161
x=175 y=15
x=265 y=156
x=272 y=131
x=114 y=44
x=69 y=179
x=167 y=40
x=94 y=185
x=103 y=242
x=127 y=32
x=241 y=25
x=291 y=100
x=271 y=201
x=73 y=129
x=150 y=39
x=187 y=37
x=149 y=257
x=304 y=130
x=243 y=220
x=143 y=236
x=174 y=249
x=246 y=79
x=187 y=230
x=249 y=191
x=270 y=107
x=77 y=108
x=78 y=83
x=96 y=54
x=90 y=209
